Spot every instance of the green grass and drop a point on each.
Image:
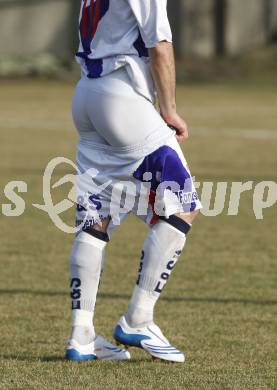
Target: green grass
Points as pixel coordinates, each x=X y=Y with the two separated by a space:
x=220 y=304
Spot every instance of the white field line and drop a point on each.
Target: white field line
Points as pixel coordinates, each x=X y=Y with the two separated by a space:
x=258 y=134
x=40 y=126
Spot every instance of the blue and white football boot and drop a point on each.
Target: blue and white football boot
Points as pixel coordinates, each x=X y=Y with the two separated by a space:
x=150 y=338
x=99 y=349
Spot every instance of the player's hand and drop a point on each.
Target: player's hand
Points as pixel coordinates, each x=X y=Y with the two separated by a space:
x=178 y=124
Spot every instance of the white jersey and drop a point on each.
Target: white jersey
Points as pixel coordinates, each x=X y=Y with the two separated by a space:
x=117 y=33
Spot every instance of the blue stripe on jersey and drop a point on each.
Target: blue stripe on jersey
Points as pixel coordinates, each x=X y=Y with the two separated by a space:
x=140 y=47
x=94 y=66
x=104 y=4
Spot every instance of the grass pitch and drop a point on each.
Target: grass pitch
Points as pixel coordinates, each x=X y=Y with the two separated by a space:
x=220 y=303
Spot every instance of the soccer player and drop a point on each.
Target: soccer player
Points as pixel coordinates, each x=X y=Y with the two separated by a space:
x=126 y=58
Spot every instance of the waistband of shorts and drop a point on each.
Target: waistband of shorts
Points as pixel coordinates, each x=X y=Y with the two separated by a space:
x=104 y=84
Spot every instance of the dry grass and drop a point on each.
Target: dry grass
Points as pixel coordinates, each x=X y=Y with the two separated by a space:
x=219 y=306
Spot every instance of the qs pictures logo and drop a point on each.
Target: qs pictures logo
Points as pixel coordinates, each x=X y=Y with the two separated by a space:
x=78 y=182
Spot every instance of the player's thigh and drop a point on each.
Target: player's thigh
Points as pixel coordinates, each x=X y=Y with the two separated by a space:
x=188 y=217
x=101 y=226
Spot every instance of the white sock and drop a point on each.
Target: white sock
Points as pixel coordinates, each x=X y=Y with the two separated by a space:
x=82 y=326
x=85 y=269
x=141 y=308
x=161 y=251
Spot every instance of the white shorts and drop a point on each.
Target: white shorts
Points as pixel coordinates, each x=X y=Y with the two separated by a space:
x=127 y=157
